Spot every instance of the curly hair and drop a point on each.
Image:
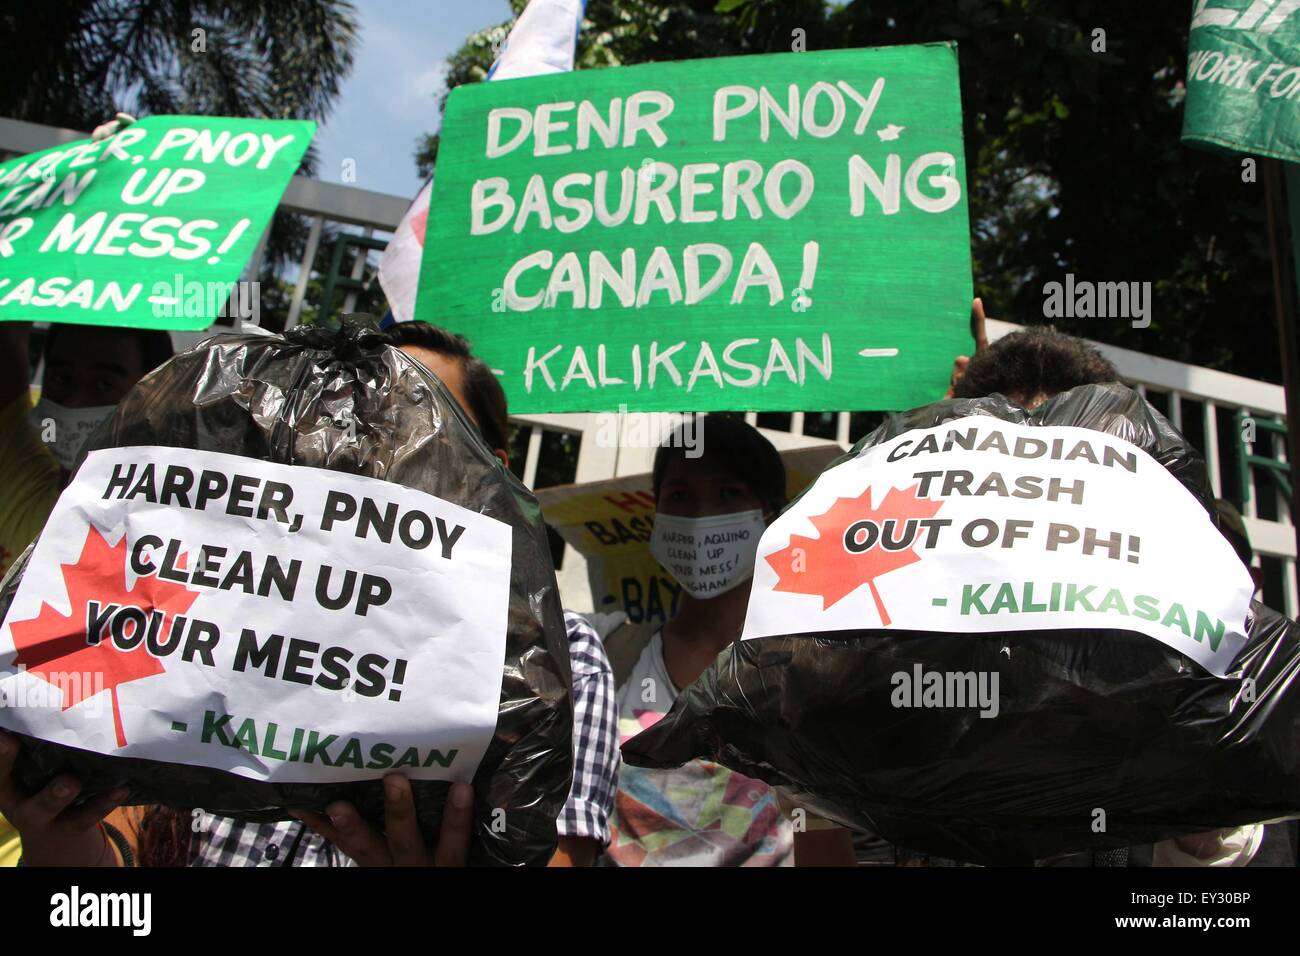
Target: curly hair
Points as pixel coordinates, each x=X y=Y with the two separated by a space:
x=1034 y=361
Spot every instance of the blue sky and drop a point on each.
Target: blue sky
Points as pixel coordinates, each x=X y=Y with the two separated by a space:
x=391 y=97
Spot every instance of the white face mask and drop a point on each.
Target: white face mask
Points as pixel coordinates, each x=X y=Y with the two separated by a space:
x=708 y=556
x=65 y=430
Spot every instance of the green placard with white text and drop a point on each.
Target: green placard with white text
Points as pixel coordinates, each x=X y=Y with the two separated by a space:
x=1243 y=77
x=148 y=228
x=779 y=232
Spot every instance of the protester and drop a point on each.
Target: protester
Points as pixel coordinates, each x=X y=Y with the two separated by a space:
x=163 y=836
x=584 y=824
x=87 y=370
x=702 y=814
x=1029 y=367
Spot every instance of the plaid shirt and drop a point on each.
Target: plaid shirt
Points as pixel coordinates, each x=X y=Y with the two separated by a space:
x=595 y=736
x=223 y=841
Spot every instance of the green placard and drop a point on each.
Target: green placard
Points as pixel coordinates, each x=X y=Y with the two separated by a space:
x=148 y=228
x=769 y=232
x=1243 y=77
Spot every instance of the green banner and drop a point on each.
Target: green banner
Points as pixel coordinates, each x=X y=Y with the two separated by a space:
x=1243 y=77
x=148 y=228
x=770 y=232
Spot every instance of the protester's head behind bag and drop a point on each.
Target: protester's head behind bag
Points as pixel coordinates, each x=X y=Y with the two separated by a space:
x=997 y=634
x=398 y=614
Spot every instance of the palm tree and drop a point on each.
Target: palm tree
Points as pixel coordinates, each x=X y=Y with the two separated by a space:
x=75 y=63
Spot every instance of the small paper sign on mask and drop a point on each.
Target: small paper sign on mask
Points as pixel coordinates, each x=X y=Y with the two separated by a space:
x=707 y=556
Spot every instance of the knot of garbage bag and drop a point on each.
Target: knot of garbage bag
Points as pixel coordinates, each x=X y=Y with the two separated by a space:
x=358 y=332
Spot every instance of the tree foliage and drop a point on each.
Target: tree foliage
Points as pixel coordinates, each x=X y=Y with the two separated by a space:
x=75 y=63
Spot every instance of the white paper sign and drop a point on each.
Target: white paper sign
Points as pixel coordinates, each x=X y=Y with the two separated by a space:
x=284 y=623
x=982 y=525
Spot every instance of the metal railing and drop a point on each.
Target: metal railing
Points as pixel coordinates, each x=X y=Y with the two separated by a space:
x=1208 y=406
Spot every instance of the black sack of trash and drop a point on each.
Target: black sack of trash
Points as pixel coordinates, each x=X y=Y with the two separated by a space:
x=1097 y=735
x=344 y=402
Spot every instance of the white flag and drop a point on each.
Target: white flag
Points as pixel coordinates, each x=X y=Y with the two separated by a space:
x=542 y=41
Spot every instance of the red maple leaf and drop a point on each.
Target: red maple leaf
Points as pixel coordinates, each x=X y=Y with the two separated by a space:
x=823 y=565
x=51 y=644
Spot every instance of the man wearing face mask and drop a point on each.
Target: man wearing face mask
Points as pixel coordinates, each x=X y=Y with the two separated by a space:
x=710 y=512
x=88 y=369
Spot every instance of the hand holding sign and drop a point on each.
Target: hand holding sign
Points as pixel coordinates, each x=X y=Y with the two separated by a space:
x=54 y=832
x=401 y=843
x=981 y=337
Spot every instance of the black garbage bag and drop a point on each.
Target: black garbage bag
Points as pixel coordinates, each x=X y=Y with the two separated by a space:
x=1159 y=701
x=313 y=408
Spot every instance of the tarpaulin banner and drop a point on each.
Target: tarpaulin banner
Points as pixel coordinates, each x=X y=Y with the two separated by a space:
x=785 y=231
x=1243 y=77
x=148 y=228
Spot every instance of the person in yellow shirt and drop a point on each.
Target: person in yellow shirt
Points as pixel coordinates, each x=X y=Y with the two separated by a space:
x=88 y=369
x=29 y=472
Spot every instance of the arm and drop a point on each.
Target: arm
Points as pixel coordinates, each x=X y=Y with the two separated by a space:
x=981 y=343
x=817 y=842
x=1228 y=847
x=583 y=824
x=832 y=846
x=29 y=473
x=575 y=851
